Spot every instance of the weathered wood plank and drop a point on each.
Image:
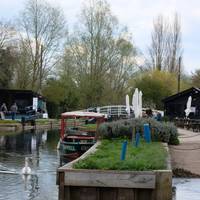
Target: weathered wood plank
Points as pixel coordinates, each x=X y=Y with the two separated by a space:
x=163 y=188
x=127 y=179
x=108 y=193
x=83 y=193
x=126 y=194
x=61 y=194
x=67 y=193
x=145 y=194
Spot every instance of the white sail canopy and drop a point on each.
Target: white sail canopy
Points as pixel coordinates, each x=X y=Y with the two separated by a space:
x=128 y=105
x=137 y=103
x=140 y=104
x=188 y=106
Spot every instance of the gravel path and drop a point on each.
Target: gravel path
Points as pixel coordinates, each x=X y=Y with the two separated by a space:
x=187 y=154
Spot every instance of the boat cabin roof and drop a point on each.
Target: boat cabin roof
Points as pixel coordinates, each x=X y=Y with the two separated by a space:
x=82 y=114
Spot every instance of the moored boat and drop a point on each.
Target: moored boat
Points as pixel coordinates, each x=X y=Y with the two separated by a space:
x=79 y=130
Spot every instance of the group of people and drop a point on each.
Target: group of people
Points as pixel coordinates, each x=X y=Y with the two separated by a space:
x=4 y=110
x=152 y=114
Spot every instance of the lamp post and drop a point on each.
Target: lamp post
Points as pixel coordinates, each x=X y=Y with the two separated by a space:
x=179 y=73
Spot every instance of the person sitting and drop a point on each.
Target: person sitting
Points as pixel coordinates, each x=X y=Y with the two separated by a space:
x=13 y=110
x=3 y=110
x=159 y=116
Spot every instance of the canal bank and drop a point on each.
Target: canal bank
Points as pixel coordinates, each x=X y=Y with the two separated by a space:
x=17 y=126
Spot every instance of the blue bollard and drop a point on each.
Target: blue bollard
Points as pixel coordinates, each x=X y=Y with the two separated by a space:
x=123 y=152
x=137 y=139
x=147 y=133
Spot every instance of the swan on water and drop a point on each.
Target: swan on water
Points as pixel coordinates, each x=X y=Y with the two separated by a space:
x=26 y=170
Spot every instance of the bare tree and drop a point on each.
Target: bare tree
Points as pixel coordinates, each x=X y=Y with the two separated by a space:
x=23 y=66
x=158 y=46
x=7 y=34
x=42 y=28
x=165 y=47
x=101 y=54
x=174 y=45
x=7 y=53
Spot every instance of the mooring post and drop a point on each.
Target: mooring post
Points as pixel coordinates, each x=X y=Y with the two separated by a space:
x=133 y=135
x=137 y=139
x=147 y=133
x=123 y=152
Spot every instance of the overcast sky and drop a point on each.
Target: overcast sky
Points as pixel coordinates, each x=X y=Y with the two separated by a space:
x=138 y=15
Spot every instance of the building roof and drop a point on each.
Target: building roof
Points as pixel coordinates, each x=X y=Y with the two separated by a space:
x=18 y=91
x=194 y=90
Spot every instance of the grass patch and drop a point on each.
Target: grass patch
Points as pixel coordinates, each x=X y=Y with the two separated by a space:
x=146 y=157
x=7 y=121
x=46 y=121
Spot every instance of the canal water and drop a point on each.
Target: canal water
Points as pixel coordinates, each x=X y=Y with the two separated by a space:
x=44 y=159
x=40 y=147
x=186 y=189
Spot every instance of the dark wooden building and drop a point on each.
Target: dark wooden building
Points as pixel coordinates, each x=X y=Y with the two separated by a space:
x=175 y=105
x=23 y=99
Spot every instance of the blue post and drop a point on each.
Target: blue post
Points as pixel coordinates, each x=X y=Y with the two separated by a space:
x=137 y=139
x=123 y=152
x=147 y=133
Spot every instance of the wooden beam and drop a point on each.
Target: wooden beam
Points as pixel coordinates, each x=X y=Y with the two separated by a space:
x=100 y=178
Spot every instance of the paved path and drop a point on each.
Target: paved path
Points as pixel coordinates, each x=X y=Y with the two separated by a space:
x=187 y=154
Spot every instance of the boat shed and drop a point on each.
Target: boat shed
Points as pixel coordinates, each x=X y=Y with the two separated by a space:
x=175 y=105
x=23 y=98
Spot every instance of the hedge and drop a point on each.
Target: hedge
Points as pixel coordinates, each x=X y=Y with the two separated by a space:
x=160 y=131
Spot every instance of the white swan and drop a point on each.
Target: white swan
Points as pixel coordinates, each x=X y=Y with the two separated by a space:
x=26 y=170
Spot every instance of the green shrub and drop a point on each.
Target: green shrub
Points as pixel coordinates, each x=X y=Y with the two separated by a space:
x=160 y=131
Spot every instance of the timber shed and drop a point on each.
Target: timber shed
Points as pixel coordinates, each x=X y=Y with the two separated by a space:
x=23 y=99
x=175 y=105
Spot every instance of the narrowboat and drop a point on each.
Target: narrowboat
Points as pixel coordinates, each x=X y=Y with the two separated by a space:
x=78 y=131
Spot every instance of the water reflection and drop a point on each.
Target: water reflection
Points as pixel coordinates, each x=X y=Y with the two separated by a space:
x=186 y=188
x=41 y=147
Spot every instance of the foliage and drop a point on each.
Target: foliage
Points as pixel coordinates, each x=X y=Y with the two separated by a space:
x=101 y=55
x=155 y=87
x=96 y=63
x=61 y=94
x=107 y=157
x=160 y=131
x=7 y=59
x=196 y=78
